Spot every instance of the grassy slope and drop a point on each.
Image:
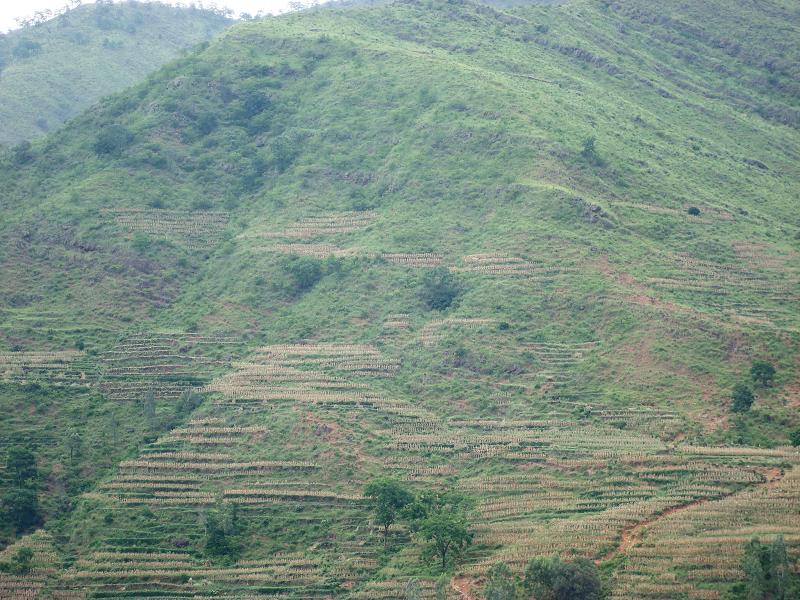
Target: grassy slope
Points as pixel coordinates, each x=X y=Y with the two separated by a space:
x=86 y=54
x=462 y=128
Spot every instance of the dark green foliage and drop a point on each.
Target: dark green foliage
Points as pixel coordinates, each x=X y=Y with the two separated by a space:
x=21 y=466
x=304 y=272
x=794 y=437
x=217 y=544
x=554 y=579
x=589 y=152
x=387 y=498
x=113 y=139
x=440 y=288
x=206 y=123
x=441 y=519
x=22 y=153
x=26 y=48
x=254 y=103
x=768 y=573
x=501 y=584
x=448 y=535
x=20 y=563
x=742 y=397
x=284 y=151
x=20 y=507
x=762 y=373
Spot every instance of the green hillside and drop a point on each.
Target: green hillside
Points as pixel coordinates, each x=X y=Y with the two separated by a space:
x=51 y=71
x=525 y=254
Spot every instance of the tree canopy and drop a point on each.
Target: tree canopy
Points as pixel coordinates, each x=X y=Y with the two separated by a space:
x=387 y=498
x=762 y=372
x=551 y=578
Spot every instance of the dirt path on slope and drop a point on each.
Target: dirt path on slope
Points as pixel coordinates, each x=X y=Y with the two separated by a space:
x=465 y=586
x=632 y=534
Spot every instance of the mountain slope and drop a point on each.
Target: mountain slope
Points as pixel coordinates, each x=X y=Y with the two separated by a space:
x=51 y=71
x=257 y=222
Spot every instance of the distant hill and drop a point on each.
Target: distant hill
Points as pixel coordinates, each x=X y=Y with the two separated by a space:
x=52 y=71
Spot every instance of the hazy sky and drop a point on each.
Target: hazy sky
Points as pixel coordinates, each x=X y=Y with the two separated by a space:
x=11 y=9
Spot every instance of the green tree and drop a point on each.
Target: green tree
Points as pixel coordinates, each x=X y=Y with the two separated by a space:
x=794 y=437
x=753 y=567
x=26 y=48
x=440 y=518
x=589 y=151
x=22 y=152
x=539 y=577
x=304 y=272
x=387 y=498
x=21 y=466
x=149 y=409
x=20 y=563
x=447 y=533
x=20 y=507
x=217 y=543
x=742 y=398
x=440 y=288
x=553 y=579
x=578 y=580
x=501 y=584
x=112 y=140
x=762 y=373
x=779 y=573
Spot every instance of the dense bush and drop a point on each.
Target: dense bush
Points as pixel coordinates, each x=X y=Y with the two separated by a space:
x=112 y=140
x=742 y=398
x=304 y=272
x=554 y=579
x=501 y=584
x=26 y=48
x=794 y=437
x=768 y=573
x=20 y=563
x=440 y=288
x=762 y=373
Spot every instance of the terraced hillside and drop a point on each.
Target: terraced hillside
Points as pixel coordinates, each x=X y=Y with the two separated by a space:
x=439 y=242
x=53 y=69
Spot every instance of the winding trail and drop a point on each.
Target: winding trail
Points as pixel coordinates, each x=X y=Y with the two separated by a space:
x=632 y=534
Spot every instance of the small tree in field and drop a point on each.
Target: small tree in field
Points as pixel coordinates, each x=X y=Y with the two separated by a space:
x=387 y=498
x=440 y=518
x=742 y=398
x=20 y=563
x=21 y=465
x=112 y=140
x=448 y=534
x=762 y=373
x=554 y=579
x=794 y=437
x=440 y=288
